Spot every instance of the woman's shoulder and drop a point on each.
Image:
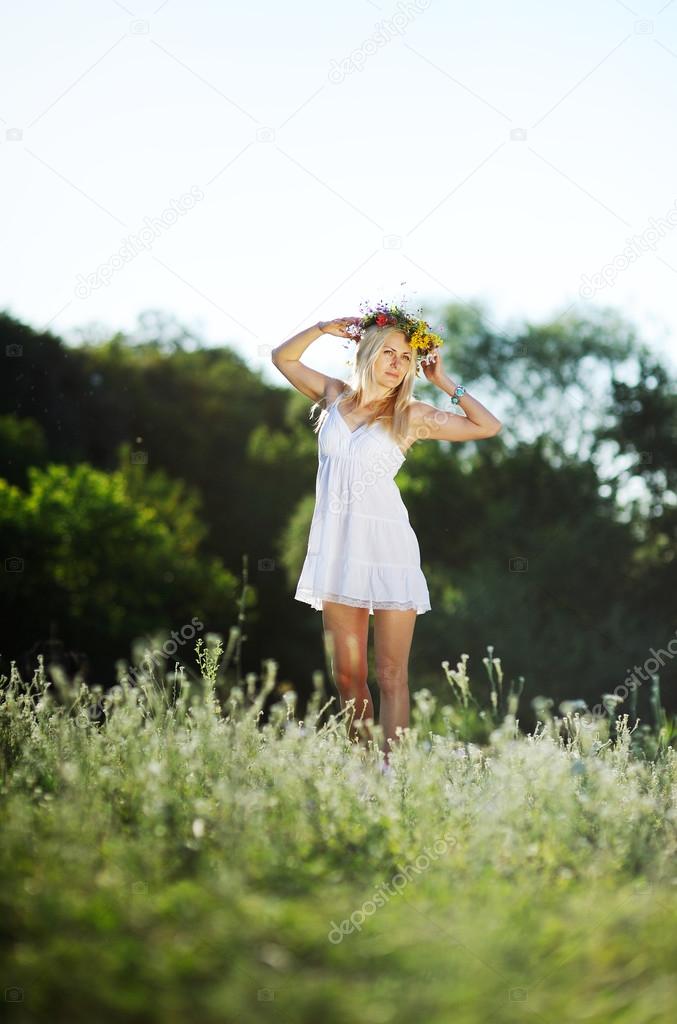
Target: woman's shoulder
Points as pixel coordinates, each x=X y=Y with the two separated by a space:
x=414 y=410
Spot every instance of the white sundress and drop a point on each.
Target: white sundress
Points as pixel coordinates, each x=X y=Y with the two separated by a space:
x=362 y=550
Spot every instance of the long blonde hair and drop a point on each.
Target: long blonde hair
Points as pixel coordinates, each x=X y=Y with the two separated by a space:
x=392 y=411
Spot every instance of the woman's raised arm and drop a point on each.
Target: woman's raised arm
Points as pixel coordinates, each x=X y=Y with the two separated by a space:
x=287 y=357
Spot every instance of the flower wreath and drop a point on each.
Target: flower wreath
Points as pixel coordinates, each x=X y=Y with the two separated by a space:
x=421 y=337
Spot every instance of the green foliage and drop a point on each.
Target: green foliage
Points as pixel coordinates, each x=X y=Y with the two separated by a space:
x=578 y=488
x=22 y=444
x=192 y=410
x=201 y=864
x=107 y=556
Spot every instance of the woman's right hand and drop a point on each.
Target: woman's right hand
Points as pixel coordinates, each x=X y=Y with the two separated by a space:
x=338 y=327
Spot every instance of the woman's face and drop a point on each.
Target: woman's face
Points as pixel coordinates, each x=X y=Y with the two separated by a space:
x=393 y=361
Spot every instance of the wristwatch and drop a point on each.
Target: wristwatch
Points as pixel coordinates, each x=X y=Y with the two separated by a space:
x=458 y=393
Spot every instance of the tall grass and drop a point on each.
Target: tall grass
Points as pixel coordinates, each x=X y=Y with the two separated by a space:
x=177 y=850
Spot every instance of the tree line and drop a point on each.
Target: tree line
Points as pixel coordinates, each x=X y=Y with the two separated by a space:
x=140 y=472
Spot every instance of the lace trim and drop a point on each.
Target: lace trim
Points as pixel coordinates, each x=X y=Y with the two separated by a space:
x=356 y=602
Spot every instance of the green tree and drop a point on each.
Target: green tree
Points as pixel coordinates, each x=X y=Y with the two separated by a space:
x=22 y=444
x=100 y=560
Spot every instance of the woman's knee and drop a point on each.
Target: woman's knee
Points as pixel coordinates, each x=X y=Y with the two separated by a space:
x=351 y=681
x=392 y=676
x=348 y=657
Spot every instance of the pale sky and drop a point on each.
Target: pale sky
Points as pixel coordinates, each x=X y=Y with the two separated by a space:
x=320 y=155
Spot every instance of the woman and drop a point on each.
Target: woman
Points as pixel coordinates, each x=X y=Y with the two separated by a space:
x=363 y=556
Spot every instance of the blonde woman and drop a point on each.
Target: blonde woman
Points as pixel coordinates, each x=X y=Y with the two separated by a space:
x=363 y=556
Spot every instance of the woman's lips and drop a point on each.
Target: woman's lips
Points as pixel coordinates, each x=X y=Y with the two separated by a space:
x=389 y=374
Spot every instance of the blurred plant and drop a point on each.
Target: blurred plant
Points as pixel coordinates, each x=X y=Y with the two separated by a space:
x=465 y=717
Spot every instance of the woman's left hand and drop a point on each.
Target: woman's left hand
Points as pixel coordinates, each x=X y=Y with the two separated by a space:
x=434 y=370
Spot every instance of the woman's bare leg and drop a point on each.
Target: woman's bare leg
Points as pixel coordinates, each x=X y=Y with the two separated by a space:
x=393 y=633
x=346 y=634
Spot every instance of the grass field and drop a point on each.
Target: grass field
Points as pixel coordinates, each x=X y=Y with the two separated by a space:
x=171 y=857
